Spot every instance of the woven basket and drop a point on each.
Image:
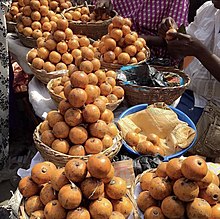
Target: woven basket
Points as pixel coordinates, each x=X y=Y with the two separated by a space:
x=134 y=215
x=111 y=66
x=44 y=76
x=26 y=41
x=60 y=159
x=136 y=94
x=90 y=29
x=11 y=26
x=57 y=98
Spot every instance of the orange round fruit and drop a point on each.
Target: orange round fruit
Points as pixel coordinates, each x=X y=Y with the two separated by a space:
x=116 y=34
x=54 y=57
x=118 y=21
x=49 y=67
x=123 y=58
x=38 y=63
x=67 y=58
x=86 y=66
x=62 y=47
x=99 y=166
x=62 y=24
x=43 y=53
x=59 y=35
x=93 y=146
x=110 y=44
x=79 y=79
x=78 y=135
x=91 y=113
x=77 y=97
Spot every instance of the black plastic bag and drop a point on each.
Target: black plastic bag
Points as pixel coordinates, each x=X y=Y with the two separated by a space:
x=146 y=162
x=142 y=163
x=146 y=75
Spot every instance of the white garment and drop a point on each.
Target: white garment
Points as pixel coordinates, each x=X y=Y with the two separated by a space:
x=206 y=28
x=39 y=98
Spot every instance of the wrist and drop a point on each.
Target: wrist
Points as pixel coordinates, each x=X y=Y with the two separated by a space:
x=202 y=53
x=155 y=41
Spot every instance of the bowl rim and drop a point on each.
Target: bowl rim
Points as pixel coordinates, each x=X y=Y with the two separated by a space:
x=140 y=107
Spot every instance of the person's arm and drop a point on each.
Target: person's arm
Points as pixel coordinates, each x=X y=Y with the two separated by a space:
x=186 y=45
x=154 y=40
x=210 y=61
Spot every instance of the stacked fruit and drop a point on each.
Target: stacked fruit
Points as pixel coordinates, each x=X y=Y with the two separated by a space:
x=78 y=190
x=36 y=19
x=83 y=14
x=180 y=188
x=82 y=122
x=150 y=145
x=15 y=10
x=106 y=82
x=59 y=5
x=121 y=45
x=62 y=49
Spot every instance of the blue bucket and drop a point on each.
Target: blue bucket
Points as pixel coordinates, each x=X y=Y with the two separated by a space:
x=182 y=116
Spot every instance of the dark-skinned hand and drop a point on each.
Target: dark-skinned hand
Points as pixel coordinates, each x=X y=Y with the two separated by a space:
x=165 y=25
x=184 y=45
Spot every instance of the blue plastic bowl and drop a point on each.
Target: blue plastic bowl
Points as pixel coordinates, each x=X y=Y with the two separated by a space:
x=182 y=116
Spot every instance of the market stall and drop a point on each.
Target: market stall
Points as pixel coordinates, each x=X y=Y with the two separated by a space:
x=85 y=82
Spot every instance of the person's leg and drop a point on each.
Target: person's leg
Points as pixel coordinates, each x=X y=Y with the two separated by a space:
x=186 y=105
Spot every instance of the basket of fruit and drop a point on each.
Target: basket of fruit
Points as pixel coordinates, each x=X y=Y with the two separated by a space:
x=13 y=14
x=39 y=67
x=25 y=37
x=77 y=190
x=59 y=150
x=180 y=188
x=169 y=132
x=168 y=93
x=37 y=19
x=80 y=127
x=122 y=46
x=62 y=50
x=103 y=81
x=83 y=20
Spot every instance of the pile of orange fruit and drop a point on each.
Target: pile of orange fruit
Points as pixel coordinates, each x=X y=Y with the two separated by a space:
x=79 y=190
x=180 y=189
x=15 y=10
x=105 y=80
x=122 y=45
x=83 y=14
x=37 y=18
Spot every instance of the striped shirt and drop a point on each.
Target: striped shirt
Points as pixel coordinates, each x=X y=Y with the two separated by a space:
x=146 y=15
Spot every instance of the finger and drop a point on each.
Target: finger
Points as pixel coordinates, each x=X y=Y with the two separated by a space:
x=169 y=23
x=162 y=30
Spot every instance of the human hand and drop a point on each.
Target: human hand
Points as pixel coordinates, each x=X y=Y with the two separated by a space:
x=184 y=45
x=165 y=25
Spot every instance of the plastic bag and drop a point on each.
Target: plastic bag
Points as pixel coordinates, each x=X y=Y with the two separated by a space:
x=146 y=75
x=141 y=163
